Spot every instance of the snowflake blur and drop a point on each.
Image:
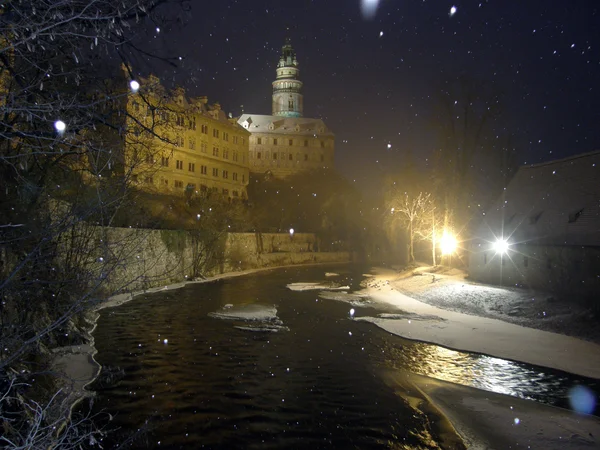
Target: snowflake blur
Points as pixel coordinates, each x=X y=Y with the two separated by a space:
x=368 y=8
x=453 y=10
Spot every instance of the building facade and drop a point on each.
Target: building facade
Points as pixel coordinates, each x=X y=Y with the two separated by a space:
x=548 y=220
x=285 y=142
x=181 y=146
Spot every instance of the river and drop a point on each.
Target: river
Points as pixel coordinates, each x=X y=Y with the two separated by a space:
x=247 y=362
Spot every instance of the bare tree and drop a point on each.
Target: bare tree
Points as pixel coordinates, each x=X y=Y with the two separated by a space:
x=64 y=175
x=415 y=214
x=468 y=106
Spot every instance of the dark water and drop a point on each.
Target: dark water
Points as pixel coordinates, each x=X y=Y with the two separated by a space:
x=315 y=382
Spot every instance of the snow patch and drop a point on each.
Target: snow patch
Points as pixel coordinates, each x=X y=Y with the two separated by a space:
x=316 y=286
x=261 y=318
x=353 y=299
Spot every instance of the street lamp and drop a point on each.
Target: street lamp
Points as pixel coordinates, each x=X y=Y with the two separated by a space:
x=448 y=243
x=500 y=246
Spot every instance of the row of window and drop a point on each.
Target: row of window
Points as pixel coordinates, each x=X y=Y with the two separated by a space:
x=203 y=169
x=282 y=156
x=190 y=123
x=281 y=141
x=204 y=148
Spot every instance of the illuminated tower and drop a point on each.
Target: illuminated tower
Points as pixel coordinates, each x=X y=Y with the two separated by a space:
x=287 y=96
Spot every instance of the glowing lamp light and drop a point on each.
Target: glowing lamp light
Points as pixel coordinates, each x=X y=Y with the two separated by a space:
x=60 y=126
x=501 y=246
x=448 y=243
x=134 y=85
x=291 y=231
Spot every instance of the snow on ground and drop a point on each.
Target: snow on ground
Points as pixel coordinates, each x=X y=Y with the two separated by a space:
x=451 y=291
x=484 y=419
x=479 y=334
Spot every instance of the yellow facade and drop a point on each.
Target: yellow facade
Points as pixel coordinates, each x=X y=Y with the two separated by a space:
x=181 y=146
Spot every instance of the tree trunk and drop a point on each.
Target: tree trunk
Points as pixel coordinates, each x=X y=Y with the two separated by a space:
x=433 y=237
x=411 y=243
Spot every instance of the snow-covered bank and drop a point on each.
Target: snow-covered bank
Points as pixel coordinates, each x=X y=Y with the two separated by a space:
x=481 y=335
x=485 y=420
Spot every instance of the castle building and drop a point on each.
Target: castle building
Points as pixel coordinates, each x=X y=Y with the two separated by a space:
x=286 y=142
x=177 y=145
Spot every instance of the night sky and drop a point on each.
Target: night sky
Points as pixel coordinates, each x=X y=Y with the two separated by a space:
x=376 y=80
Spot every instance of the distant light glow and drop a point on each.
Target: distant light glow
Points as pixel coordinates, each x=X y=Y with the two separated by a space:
x=380 y=33
x=501 y=246
x=448 y=243
x=291 y=231
x=582 y=399
x=453 y=10
x=60 y=126
x=134 y=85
x=389 y=145
x=368 y=8
x=157 y=30
x=352 y=312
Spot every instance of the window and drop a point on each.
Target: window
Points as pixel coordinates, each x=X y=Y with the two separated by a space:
x=179 y=120
x=306 y=143
x=192 y=144
x=291 y=104
x=203 y=170
x=203 y=188
x=258 y=155
x=203 y=147
x=243 y=178
x=179 y=164
x=215 y=151
x=235 y=139
x=215 y=133
x=191 y=167
x=236 y=193
x=225 y=191
x=178 y=141
x=225 y=153
x=306 y=157
x=215 y=172
x=274 y=141
x=291 y=142
x=274 y=155
x=226 y=137
x=322 y=144
x=149 y=180
x=164 y=161
x=192 y=123
x=225 y=174
x=534 y=219
x=322 y=157
x=574 y=216
x=235 y=156
x=204 y=129
x=259 y=141
x=234 y=176
x=178 y=184
x=290 y=157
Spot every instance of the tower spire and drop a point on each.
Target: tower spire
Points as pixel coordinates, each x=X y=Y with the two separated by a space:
x=287 y=88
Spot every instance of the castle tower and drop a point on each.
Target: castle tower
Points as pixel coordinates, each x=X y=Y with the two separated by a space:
x=287 y=96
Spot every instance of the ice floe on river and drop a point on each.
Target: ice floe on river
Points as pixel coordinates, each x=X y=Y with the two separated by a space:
x=353 y=299
x=261 y=318
x=304 y=286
